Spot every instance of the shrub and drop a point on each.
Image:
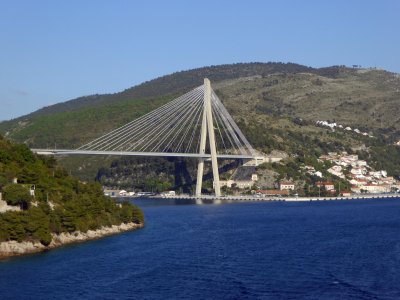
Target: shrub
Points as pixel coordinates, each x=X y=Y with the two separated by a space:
x=16 y=194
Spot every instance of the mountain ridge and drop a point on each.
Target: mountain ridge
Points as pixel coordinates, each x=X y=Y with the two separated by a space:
x=216 y=73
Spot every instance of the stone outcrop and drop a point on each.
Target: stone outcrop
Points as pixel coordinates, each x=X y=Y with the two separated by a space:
x=4 y=207
x=14 y=248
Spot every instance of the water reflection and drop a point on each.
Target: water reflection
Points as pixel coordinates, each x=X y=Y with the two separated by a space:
x=173 y=201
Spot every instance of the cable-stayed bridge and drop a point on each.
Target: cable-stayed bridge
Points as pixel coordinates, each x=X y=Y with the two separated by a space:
x=177 y=129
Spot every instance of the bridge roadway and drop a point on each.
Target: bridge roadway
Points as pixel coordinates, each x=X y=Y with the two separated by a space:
x=127 y=153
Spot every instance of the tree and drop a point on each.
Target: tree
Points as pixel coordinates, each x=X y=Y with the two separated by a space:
x=16 y=194
x=64 y=204
x=37 y=224
x=3 y=181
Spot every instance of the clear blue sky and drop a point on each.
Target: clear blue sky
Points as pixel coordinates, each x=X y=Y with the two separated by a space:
x=53 y=51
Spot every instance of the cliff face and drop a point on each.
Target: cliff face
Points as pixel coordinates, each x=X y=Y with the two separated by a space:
x=14 y=248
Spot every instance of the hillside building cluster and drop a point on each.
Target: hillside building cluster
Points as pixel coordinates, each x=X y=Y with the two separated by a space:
x=357 y=172
x=334 y=126
x=361 y=176
x=311 y=170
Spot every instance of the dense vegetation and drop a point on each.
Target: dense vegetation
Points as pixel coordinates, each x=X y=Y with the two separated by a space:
x=64 y=130
x=143 y=173
x=61 y=203
x=158 y=174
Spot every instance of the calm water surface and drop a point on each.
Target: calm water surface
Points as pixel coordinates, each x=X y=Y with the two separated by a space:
x=272 y=250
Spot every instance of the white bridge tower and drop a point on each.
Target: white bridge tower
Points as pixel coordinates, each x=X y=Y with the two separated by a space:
x=179 y=128
x=207 y=125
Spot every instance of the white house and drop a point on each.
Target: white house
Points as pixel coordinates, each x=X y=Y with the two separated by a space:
x=375 y=188
x=361 y=163
x=286 y=185
x=318 y=173
x=227 y=183
x=357 y=171
x=329 y=186
x=241 y=184
x=337 y=171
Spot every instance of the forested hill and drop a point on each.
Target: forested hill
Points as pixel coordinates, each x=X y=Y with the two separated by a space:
x=358 y=97
x=267 y=100
x=61 y=203
x=180 y=82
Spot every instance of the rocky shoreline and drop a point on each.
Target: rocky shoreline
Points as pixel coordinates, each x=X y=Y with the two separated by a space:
x=14 y=248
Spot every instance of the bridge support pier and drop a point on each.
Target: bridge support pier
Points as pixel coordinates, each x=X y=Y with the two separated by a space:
x=207 y=126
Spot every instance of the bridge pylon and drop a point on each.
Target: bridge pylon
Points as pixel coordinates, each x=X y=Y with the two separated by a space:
x=179 y=128
x=207 y=126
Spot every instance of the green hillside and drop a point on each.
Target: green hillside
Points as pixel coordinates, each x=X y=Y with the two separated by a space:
x=176 y=83
x=73 y=128
x=61 y=203
x=364 y=98
x=276 y=105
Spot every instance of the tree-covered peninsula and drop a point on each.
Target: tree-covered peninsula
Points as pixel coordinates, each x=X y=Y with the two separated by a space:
x=41 y=201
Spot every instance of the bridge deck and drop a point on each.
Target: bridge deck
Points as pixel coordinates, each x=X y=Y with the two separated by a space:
x=125 y=153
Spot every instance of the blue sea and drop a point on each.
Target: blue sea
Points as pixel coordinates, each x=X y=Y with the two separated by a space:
x=246 y=250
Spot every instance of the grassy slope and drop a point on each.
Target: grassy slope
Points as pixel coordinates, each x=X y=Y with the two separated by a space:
x=365 y=99
x=74 y=128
